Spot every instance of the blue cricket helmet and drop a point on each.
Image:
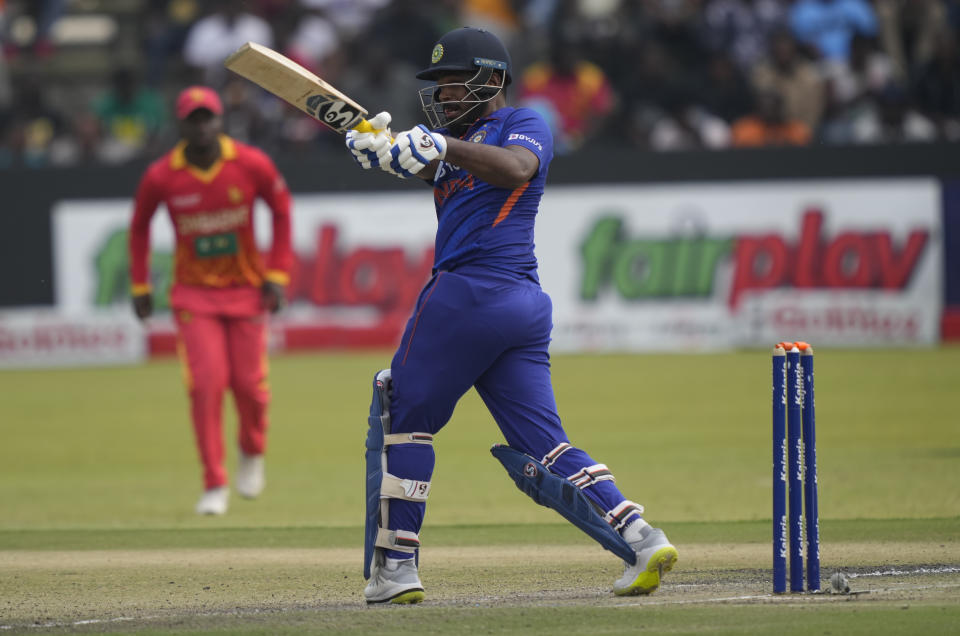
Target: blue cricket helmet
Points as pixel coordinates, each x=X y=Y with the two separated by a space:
x=468 y=49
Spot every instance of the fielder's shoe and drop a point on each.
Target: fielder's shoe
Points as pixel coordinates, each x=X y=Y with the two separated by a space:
x=394 y=581
x=249 y=480
x=213 y=501
x=655 y=555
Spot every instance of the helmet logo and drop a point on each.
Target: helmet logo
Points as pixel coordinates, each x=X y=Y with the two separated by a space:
x=437 y=54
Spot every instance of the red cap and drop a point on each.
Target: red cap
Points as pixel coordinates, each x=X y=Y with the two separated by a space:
x=194 y=97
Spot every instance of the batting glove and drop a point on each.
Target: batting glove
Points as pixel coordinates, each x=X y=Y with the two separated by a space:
x=372 y=149
x=414 y=149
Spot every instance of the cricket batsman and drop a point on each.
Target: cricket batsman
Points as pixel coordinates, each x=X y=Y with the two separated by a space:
x=222 y=289
x=482 y=320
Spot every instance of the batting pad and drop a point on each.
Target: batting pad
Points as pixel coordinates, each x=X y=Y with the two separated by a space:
x=557 y=493
x=381 y=486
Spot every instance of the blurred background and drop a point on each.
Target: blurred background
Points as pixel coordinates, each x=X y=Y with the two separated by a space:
x=91 y=80
x=729 y=172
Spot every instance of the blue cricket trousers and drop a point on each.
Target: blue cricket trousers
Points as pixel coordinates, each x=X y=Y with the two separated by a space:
x=490 y=331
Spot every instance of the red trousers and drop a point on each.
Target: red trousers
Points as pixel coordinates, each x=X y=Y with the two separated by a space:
x=227 y=348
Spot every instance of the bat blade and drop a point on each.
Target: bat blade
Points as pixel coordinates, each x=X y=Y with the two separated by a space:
x=278 y=74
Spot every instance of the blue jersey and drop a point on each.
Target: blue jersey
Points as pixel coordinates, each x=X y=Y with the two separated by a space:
x=483 y=321
x=482 y=225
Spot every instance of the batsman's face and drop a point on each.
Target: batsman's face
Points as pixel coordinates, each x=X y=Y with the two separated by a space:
x=451 y=89
x=201 y=128
x=459 y=98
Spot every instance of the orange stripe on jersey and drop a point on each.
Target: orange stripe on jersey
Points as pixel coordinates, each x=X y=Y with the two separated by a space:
x=509 y=203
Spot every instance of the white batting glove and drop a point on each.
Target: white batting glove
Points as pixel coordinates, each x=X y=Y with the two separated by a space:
x=413 y=149
x=372 y=149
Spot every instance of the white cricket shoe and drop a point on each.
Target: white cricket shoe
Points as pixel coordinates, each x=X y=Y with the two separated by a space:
x=655 y=555
x=394 y=581
x=249 y=480
x=213 y=501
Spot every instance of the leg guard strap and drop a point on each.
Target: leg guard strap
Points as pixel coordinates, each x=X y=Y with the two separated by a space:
x=410 y=489
x=617 y=518
x=400 y=540
x=590 y=475
x=407 y=438
x=550 y=458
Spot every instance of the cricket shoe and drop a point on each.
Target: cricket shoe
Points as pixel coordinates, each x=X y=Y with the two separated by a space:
x=655 y=556
x=249 y=480
x=394 y=581
x=213 y=501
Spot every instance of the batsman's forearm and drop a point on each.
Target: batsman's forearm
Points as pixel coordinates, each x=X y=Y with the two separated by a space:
x=497 y=166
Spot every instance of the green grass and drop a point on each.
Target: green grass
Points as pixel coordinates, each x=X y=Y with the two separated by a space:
x=559 y=533
x=102 y=459
x=686 y=435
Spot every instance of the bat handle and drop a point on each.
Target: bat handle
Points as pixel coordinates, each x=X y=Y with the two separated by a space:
x=364 y=127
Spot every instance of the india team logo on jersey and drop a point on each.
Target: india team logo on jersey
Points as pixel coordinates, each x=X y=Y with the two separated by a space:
x=479 y=136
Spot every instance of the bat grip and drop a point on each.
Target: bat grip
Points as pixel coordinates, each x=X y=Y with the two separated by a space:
x=364 y=127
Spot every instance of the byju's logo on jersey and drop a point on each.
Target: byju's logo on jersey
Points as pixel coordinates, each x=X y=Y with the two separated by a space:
x=529 y=140
x=333 y=112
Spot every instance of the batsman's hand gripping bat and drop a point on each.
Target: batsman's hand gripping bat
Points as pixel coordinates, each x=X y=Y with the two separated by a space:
x=295 y=85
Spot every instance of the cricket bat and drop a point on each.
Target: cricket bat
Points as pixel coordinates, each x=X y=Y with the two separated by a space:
x=278 y=74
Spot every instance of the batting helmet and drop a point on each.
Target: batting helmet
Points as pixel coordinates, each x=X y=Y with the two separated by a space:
x=467 y=49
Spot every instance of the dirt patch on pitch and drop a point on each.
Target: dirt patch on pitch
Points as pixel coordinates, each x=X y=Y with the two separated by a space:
x=129 y=590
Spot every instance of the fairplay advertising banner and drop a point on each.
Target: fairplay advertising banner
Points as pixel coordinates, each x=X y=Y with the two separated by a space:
x=838 y=263
x=629 y=268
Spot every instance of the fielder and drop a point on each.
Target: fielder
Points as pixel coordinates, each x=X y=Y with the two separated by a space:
x=222 y=289
x=482 y=320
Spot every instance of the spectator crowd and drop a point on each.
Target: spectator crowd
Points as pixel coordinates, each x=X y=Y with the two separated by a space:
x=658 y=75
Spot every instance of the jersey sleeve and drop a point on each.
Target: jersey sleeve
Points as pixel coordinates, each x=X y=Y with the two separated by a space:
x=146 y=200
x=272 y=188
x=526 y=128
